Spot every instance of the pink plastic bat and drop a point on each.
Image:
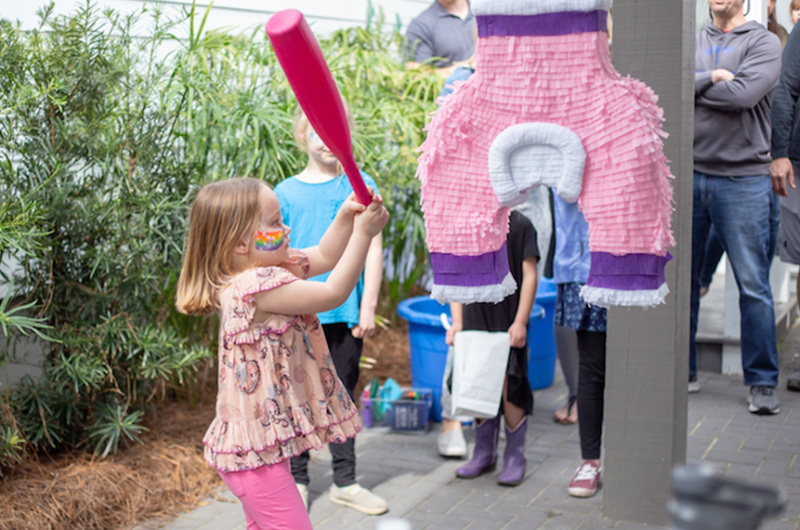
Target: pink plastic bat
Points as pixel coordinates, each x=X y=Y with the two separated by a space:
x=308 y=74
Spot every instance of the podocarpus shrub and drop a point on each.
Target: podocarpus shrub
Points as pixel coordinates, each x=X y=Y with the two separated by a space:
x=108 y=124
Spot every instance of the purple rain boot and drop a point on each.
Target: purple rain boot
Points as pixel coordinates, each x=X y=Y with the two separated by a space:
x=514 y=456
x=484 y=456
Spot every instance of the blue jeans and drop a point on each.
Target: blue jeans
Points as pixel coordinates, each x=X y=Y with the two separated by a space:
x=774 y=223
x=713 y=253
x=715 y=250
x=740 y=210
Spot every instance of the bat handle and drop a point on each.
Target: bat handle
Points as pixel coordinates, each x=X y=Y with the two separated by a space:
x=360 y=189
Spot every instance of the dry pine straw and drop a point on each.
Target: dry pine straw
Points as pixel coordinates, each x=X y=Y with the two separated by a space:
x=151 y=482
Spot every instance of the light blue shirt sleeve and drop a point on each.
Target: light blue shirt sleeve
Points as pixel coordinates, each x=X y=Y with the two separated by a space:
x=309 y=209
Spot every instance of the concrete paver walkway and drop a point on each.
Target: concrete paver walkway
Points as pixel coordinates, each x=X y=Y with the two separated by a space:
x=421 y=487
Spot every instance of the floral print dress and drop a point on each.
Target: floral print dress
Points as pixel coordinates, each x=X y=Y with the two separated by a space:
x=278 y=392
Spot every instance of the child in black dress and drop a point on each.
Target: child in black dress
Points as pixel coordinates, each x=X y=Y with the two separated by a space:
x=512 y=315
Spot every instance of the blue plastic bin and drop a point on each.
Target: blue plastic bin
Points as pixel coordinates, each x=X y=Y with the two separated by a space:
x=406 y=415
x=426 y=336
x=541 y=338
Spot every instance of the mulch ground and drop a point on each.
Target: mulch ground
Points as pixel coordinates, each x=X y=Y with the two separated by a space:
x=150 y=482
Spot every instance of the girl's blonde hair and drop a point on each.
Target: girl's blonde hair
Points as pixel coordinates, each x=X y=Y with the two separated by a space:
x=794 y=4
x=223 y=214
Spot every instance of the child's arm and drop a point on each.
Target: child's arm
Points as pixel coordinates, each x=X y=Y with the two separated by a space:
x=304 y=297
x=527 y=295
x=456 y=312
x=324 y=256
x=373 y=274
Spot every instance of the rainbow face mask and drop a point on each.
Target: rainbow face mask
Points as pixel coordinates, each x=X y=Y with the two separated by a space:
x=268 y=241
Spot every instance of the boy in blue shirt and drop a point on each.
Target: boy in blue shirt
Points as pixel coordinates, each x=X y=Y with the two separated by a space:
x=309 y=202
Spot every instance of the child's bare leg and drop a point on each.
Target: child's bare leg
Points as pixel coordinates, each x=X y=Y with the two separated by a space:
x=513 y=414
x=450 y=425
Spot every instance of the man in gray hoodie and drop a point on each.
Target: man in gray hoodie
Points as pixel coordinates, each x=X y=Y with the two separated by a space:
x=786 y=163
x=737 y=69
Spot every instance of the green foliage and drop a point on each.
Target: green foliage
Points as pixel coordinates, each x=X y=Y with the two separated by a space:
x=17 y=318
x=12 y=444
x=391 y=107
x=114 y=424
x=108 y=125
x=42 y=415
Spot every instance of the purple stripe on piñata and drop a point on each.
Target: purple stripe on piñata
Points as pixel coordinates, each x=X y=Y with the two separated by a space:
x=630 y=272
x=547 y=24
x=484 y=269
x=465 y=280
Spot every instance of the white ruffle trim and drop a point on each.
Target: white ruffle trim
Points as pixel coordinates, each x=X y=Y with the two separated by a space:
x=614 y=297
x=445 y=294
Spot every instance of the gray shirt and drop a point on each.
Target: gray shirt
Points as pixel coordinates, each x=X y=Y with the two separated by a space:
x=732 y=127
x=438 y=33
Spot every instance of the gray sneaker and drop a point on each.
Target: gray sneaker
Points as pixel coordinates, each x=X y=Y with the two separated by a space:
x=452 y=444
x=358 y=498
x=763 y=400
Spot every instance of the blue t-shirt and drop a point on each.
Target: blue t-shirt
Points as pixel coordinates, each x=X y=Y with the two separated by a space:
x=309 y=209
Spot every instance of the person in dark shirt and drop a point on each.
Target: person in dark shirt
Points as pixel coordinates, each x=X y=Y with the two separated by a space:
x=511 y=315
x=786 y=163
x=444 y=35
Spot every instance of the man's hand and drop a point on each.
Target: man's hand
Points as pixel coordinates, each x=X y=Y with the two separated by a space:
x=721 y=74
x=781 y=172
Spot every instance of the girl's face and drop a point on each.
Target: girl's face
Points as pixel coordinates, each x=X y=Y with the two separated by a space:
x=795 y=14
x=270 y=245
x=317 y=149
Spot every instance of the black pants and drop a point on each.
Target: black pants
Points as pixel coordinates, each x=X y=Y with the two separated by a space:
x=591 y=389
x=345 y=352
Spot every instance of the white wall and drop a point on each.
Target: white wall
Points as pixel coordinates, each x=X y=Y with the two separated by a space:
x=324 y=16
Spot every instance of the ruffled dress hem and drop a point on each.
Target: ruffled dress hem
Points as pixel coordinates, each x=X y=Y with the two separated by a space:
x=306 y=441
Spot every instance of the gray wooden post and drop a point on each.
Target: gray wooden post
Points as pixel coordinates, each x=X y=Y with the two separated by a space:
x=647 y=362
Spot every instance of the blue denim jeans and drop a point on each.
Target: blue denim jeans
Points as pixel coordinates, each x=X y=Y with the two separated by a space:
x=715 y=250
x=774 y=223
x=713 y=253
x=739 y=208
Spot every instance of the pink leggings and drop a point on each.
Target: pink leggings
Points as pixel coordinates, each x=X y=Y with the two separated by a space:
x=269 y=497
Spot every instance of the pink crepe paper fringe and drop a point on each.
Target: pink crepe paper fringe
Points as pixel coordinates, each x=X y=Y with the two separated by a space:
x=568 y=80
